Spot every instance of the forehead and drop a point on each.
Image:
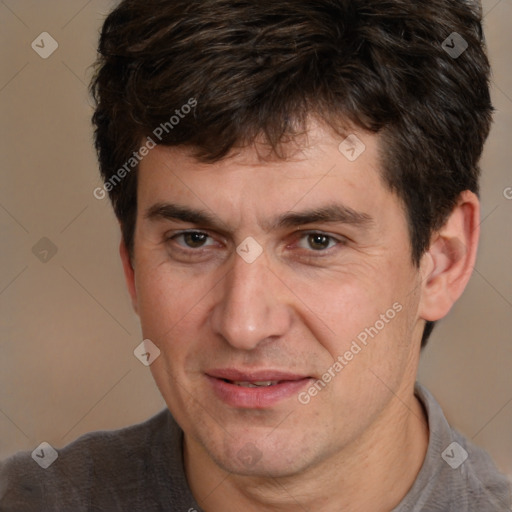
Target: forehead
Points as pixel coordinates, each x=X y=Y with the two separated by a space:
x=320 y=170
x=307 y=155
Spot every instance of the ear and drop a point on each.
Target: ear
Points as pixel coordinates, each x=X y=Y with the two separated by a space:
x=129 y=273
x=448 y=264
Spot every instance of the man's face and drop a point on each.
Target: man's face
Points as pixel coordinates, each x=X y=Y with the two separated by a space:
x=224 y=319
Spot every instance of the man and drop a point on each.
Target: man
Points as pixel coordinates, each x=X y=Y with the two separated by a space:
x=296 y=184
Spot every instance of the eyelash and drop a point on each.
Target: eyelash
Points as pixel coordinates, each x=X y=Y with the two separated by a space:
x=303 y=234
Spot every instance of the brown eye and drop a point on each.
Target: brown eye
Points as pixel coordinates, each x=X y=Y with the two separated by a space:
x=192 y=239
x=318 y=242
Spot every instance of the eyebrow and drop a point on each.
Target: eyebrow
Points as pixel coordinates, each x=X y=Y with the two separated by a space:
x=332 y=213
x=168 y=211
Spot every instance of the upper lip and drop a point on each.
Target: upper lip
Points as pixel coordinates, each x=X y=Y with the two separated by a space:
x=233 y=374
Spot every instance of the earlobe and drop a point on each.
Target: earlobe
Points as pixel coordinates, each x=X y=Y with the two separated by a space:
x=449 y=262
x=129 y=273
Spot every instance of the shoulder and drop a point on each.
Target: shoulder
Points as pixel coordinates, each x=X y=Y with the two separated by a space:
x=456 y=475
x=118 y=460
x=486 y=487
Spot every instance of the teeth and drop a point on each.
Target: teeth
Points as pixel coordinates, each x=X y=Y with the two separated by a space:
x=260 y=384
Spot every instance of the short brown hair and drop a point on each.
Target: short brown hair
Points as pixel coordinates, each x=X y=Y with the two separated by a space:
x=260 y=68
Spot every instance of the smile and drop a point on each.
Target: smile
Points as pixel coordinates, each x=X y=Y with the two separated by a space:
x=254 y=390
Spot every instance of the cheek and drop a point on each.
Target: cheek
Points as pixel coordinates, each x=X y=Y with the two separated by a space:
x=163 y=300
x=369 y=327
x=173 y=310
x=339 y=307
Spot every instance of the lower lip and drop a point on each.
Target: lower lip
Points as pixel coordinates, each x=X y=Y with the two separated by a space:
x=255 y=398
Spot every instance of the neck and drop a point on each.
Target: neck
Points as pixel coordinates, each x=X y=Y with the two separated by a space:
x=374 y=473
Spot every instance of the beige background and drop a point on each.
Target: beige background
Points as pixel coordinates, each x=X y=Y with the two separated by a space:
x=67 y=330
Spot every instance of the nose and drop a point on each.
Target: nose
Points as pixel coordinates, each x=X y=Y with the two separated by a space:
x=251 y=306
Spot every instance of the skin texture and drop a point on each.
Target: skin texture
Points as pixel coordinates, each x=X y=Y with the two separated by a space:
x=359 y=443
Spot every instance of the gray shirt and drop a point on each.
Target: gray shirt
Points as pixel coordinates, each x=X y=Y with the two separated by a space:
x=140 y=468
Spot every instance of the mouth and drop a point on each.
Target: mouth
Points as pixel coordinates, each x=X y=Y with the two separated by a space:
x=257 y=389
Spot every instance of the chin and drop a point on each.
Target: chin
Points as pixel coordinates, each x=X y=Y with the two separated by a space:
x=248 y=456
